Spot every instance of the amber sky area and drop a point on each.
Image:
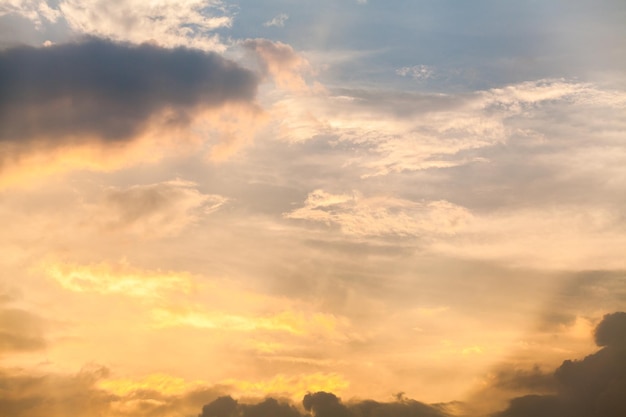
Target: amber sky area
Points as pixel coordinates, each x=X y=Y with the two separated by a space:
x=331 y=208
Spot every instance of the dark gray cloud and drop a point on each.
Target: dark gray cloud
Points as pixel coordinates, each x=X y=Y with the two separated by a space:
x=516 y=379
x=270 y=407
x=400 y=408
x=321 y=404
x=325 y=404
x=611 y=332
x=593 y=386
x=224 y=406
x=110 y=91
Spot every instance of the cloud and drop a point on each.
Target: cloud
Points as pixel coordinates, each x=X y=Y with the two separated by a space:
x=611 y=332
x=316 y=325
x=167 y=23
x=325 y=404
x=110 y=91
x=155 y=210
x=405 y=132
x=278 y=20
x=107 y=279
x=290 y=386
x=381 y=216
x=593 y=386
x=281 y=62
x=20 y=330
x=33 y=394
x=221 y=407
x=321 y=404
x=418 y=72
x=98 y=97
x=36 y=11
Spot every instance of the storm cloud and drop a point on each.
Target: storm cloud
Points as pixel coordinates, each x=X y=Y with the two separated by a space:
x=107 y=91
x=593 y=386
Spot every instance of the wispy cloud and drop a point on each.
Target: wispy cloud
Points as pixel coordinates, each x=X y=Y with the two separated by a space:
x=277 y=21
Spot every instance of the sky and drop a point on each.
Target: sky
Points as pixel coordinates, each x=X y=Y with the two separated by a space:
x=347 y=208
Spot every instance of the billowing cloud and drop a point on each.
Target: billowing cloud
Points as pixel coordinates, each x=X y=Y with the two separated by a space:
x=593 y=386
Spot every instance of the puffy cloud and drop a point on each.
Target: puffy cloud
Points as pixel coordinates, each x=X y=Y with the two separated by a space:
x=37 y=11
x=611 y=332
x=325 y=404
x=593 y=386
x=164 y=22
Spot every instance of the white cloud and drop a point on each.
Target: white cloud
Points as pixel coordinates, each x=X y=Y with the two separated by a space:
x=35 y=10
x=165 y=22
x=412 y=131
x=418 y=72
x=278 y=20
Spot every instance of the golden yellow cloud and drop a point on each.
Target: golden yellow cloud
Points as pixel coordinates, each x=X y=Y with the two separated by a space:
x=121 y=278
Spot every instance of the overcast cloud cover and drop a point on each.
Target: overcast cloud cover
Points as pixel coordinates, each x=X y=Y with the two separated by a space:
x=331 y=209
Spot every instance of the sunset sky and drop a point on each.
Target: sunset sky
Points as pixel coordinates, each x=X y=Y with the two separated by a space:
x=417 y=202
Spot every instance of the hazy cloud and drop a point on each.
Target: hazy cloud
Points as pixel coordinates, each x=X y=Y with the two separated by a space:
x=59 y=395
x=20 y=330
x=155 y=210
